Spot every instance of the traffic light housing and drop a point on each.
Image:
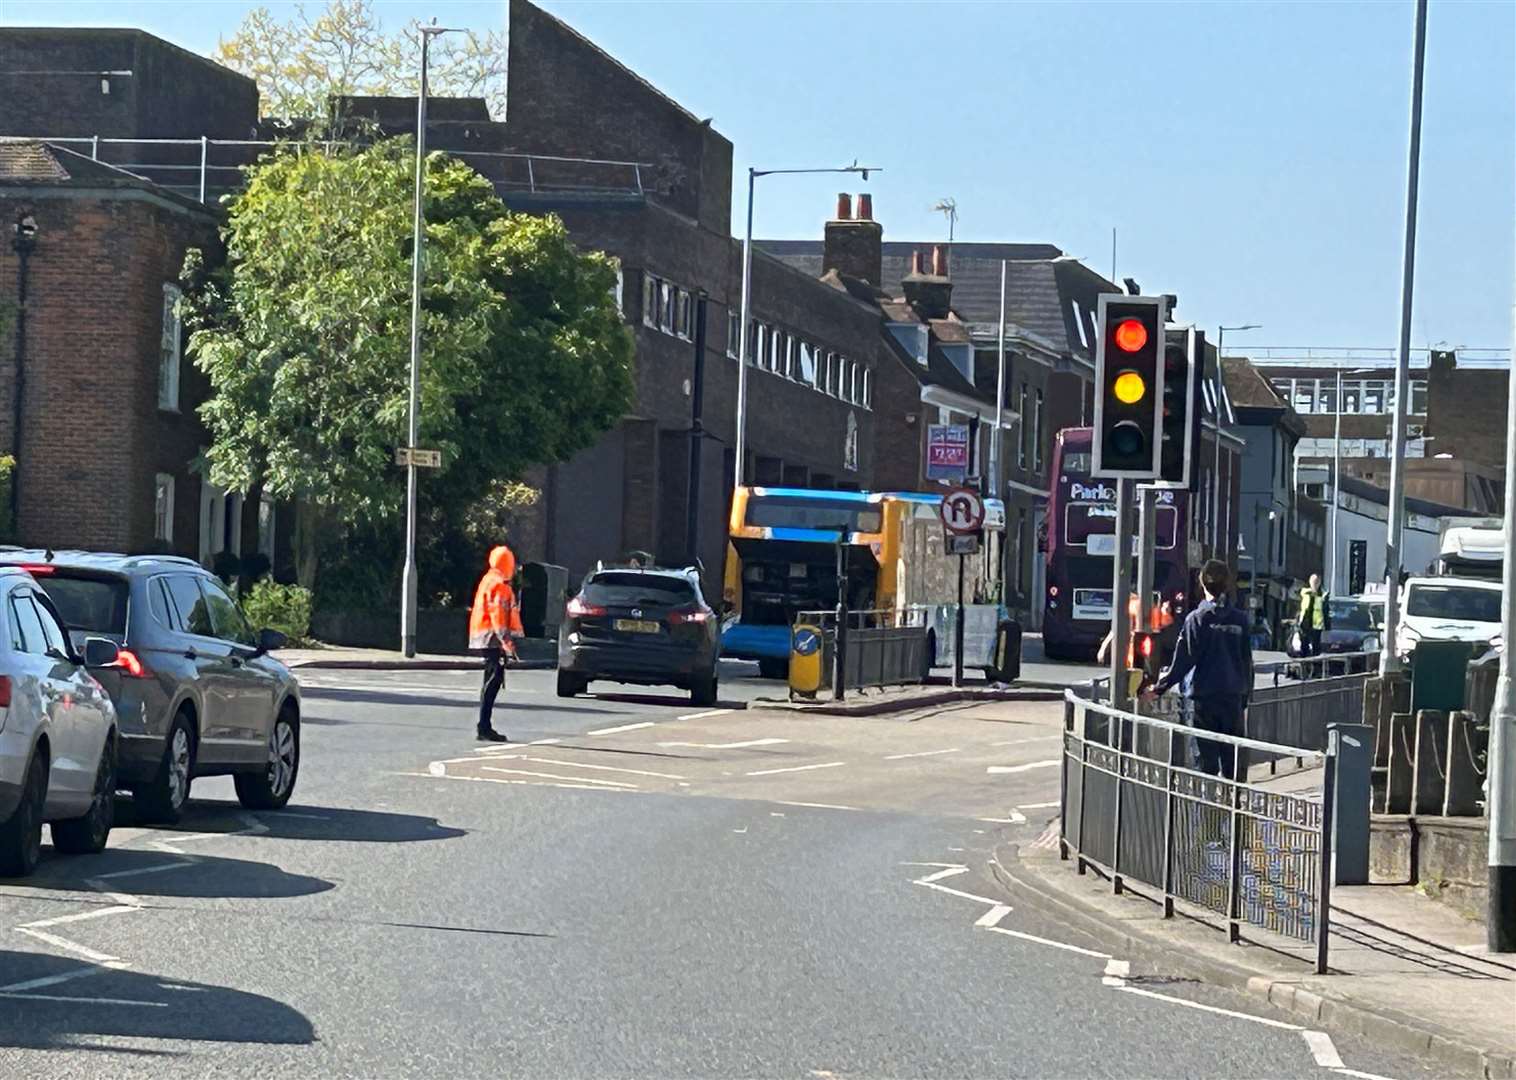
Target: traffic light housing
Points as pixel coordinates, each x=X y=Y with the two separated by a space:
x=1183 y=408
x=1129 y=387
x=1147 y=655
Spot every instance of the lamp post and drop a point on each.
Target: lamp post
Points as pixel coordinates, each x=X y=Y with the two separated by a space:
x=1216 y=465
x=747 y=298
x=408 y=585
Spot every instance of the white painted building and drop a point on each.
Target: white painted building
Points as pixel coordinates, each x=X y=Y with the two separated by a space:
x=1363 y=520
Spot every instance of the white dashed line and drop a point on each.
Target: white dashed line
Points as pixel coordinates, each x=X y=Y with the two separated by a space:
x=157 y=868
x=797 y=768
x=951 y=871
x=1040 y=805
x=63 y=977
x=703 y=715
x=1015 y=818
x=1322 y=1049
x=1265 y=1021
x=1028 y=767
x=725 y=745
x=623 y=727
x=556 y=776
x=1065 y=946
x=601 y=768
x=817 y=805
x=69 y=946
x=993 y=916
x=80 y=916
x=921 y=753
x=86 y=1000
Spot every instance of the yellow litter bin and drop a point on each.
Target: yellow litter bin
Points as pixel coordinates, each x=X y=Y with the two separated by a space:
x=805 y=660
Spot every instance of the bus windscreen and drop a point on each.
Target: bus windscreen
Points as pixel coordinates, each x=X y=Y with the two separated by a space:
x=791 y=512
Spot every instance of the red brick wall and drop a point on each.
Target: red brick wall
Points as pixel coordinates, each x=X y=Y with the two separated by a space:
x=92 y=434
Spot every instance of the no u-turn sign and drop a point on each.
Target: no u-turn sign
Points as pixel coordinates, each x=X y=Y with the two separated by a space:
x=962 y=511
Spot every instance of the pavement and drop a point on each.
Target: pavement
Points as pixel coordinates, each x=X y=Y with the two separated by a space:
x=633 y=887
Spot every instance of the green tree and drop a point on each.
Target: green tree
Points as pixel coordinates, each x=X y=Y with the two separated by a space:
x=304 y=332
x=299 y=62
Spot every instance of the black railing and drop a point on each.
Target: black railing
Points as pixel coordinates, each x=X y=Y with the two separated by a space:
x=882 y=647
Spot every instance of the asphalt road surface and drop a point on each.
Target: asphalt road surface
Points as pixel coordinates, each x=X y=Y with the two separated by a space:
x=634 y=887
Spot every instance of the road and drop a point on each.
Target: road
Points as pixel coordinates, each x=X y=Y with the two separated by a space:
x=635 y=887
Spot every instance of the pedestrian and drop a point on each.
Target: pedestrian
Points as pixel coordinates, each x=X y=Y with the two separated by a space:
x=493 y=627
x=1213 y=662
x=1312 y=617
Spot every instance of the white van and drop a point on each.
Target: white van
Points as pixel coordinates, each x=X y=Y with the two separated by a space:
x=1449 y=609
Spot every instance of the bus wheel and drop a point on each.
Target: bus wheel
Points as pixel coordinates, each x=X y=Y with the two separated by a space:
x=770 y=668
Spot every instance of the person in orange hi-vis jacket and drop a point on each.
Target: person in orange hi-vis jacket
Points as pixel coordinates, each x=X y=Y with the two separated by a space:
x=493 y=627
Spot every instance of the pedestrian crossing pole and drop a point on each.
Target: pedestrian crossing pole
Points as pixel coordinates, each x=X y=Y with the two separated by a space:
x=1500 y=760
x=1147 y=527
x=1121 y=589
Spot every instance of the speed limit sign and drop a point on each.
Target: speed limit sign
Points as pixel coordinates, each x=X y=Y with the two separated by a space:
x=962 y=511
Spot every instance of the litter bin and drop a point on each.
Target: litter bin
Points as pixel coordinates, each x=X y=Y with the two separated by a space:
x=1006 y=665
x=543 y=587
x=809 y=660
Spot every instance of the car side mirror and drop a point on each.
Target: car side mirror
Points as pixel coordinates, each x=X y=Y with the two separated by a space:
x=269 y=640
x=100 y=652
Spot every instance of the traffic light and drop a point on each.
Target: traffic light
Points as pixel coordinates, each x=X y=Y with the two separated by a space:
x=1129 y=386
x=1183 y=364
x=1147 y=656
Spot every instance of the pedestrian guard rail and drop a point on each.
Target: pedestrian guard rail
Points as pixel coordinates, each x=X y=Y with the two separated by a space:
x=1306 y=697
x=882 y=647
x=1133 y=808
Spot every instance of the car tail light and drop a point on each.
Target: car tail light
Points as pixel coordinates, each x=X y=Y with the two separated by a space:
x=39 y=570
x=5 y=691
x=578 y=608
x=696 y=615
x=1053 y=591
x=131 y=665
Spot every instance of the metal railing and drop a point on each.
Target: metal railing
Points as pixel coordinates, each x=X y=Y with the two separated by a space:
x=1308 y=695
x=881 y=647
x=205 y=169
x=1134 y=808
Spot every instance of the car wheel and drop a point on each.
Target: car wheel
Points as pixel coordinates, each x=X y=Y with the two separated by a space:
x=704 y=692
x=87 y=835
x=570 y=684
x=271 y=787
x=164 y=797
x=774 y=669
x=21 y=836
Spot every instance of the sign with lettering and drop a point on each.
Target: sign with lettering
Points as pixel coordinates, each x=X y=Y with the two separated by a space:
x=422 y=459
x=947 y=452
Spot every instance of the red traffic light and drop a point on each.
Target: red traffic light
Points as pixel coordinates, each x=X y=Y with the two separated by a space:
x=1131 y=335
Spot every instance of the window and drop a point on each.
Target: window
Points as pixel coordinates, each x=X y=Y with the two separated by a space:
x=649 y=300
x=833 y=373
x=792 y=357
x=163 y=507
x=184 y=593
x=868 y=389
x=754 y=341
x=158 y=603
x=1352 y=395
x=807 y=363
x=91 y=605
x=168 y=351
x=1373 y=397
x=732 y=321
x=26 y=626
x=666 y=302
x=1419 y=397
x=1327 y=396
x=844 y=378
x=1037 y=431
x=683 y=318
x=226 y=619
x=55 y=640
x=850 y=447
x=1305 y=393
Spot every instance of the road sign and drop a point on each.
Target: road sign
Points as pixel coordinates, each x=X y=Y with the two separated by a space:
x=963 y=543
x=422 y=459
x=947 y=452
x=962 y=511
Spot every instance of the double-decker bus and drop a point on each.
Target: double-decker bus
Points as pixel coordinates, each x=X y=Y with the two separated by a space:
x=782 y=559
x=1081 y=545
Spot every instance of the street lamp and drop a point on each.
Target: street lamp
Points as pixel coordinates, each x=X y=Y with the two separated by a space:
x=408 y=578
x=1216 y=465
x=747 y=294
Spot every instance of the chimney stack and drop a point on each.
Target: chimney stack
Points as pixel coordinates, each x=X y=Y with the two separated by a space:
x=930 y=294
x=854 y=247
x=939 y=261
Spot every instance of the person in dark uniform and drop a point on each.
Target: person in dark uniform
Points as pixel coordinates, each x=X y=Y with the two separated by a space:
x=1213 y=662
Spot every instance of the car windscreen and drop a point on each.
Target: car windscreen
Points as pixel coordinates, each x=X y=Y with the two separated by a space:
x=798 y=512
x=89 y=605
x=1352 y=615
x=634 y=590
x=1454 y=602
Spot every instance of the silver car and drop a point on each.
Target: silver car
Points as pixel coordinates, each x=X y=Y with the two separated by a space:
x=57 y=731
x=195 y=691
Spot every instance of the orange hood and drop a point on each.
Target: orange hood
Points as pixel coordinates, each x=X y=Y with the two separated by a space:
x=503 y=561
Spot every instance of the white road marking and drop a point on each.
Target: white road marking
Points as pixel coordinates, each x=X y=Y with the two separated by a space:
x=1028 y=767
x=68 y=946
x=86 y=1000
x=1265 y=1021
x=957 y=892
x=604 y=768
x=921 y=753
x=1361 y=1075
x=993 y=916
x=79 y=916
x=544 y=742
x=951 y=871
x=1023 y=742
x=726 y=745
x=437 y=768
x=1119 y=969
x=156 y=868
x=1322 y=1049
x=817 y=805
x=556 y=776
x=1015 y=818
x=63 y=977
x=954 y=865
x=1065 y=946
x=797 y=768
x=740 y=831
x=775 y=813
x=581 y=786
x=620 y=728
x=703 y=715
x=282 y=814
x=1040 y=805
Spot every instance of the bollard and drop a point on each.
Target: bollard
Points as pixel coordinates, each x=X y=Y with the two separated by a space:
x=1353 y=746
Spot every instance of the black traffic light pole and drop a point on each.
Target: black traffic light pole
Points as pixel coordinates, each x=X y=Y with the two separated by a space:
x=697 y=436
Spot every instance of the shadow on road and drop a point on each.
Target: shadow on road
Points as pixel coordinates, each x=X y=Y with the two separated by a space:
x=301 y=823
x=164 y=873
x=132 y=1005
x=385 y=697
x=674 y=698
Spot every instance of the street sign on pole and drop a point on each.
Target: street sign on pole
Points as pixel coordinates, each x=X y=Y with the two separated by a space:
x=962 y=543
x=962 y=511
x=408 y=456
x=947 y=452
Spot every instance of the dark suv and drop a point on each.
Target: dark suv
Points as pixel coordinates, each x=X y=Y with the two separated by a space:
x=195 y=692
x=646 y=626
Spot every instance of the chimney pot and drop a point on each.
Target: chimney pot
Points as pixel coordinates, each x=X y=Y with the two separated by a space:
x=939 y=261
x=865 y=207
x=844 y=206
x=918 y=264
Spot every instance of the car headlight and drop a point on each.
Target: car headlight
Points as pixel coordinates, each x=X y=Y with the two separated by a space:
x=1498 y=641
x=1371 y=643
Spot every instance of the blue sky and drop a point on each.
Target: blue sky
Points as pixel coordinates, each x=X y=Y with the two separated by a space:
x=1251 y=156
